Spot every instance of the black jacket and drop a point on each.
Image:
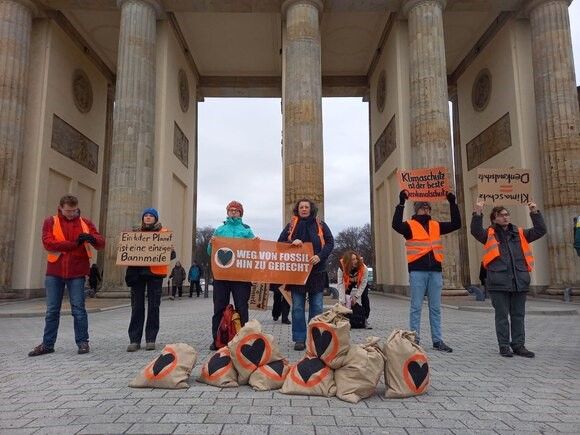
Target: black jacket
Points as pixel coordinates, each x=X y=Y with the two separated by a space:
x=322 y=252
x=427 y=262
x=508 y=272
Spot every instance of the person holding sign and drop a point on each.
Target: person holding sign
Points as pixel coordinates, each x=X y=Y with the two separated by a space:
x=508 y=260
x=145 y=279
x=424 y=258
x=233 y=227
x=306 y=227
x=67 y=238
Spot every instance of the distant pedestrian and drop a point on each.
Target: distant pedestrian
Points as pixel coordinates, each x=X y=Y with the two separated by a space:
x=177 y=277
x=145 y=280
x=281 y=307
x=67 y=238
x=508 y=260
x=194 y=276
x=95 y=278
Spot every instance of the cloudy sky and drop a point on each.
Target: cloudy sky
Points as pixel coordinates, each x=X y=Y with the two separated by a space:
x=240 y=158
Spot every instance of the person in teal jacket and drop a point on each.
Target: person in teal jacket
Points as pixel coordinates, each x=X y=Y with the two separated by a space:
x=233 y=227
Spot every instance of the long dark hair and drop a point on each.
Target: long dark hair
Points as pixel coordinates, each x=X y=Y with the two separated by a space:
x=313 y=208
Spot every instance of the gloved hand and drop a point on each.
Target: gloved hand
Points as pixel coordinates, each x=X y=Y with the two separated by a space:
x=451 y=198
x=86 y=237
x=403 y=196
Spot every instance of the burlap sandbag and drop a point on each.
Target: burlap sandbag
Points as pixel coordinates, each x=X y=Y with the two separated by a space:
x=252 y=348
x=270 y=376
x=219 y=370
x=170 y=370
x=310 y=377
x=362 y=371
x=328 y=336
x=406 y=366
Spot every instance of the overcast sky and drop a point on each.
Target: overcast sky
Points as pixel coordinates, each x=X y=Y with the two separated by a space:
x=240 y=158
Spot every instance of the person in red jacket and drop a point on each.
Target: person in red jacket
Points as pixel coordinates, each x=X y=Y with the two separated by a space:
x=67 y=238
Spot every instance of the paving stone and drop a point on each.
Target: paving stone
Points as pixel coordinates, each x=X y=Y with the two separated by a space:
x=199 y=428
x=139 y=418
x=183 y=418
x=152 y=428
x=105 y=428
x=57 y=430
x=296 y=429
x=271 y=419
x=227 y=418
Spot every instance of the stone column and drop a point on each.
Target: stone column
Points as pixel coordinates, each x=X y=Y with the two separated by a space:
x=131 y=171
x=302 y=104
x=15 y=29
x=430 y=130
x=558 y=129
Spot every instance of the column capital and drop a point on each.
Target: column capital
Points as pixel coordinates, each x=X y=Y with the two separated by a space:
x=318 y=4
x=408 y=5
x=155 y=4
x=530 y=5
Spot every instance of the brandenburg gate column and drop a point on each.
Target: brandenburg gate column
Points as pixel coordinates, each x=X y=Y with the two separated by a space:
x=429 y=118
x=558 y=132
x=131 y=172
x=302 y=103
x=15 y=30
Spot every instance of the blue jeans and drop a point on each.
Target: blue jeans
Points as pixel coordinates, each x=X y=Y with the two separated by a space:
x=54 y=293
x=429 y=283
x=298 y=313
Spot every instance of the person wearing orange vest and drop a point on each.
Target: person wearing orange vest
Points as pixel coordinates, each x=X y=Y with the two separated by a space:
x=424 y=258
x=145 y=280
x=67 y=238
x=352 y=278
x=306 y=227
x=508 y=260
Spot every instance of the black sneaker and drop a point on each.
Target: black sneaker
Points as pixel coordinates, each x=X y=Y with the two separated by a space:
x=286 y=322
x=275 y=319
x=299 y=345
x=440 y=345
x=506 y=352
x=522 y=351
x=41 y=349
x=84 y=348
x=213 y=346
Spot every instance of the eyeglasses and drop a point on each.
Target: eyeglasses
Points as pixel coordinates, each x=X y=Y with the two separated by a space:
x=504 y=214
x=231 y=210
x=426 y=207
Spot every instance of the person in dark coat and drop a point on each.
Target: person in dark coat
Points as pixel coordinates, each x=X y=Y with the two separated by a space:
x=281 y=307
x=95 y=278
x=508 y=261
x=194 y=276
x=306 y=227
x=177 y=276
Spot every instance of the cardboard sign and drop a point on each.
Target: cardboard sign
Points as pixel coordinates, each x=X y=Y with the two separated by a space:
x=259 y=296
x=504 y=186
x=144 y=248
x=427 y=184
x=286 y=293
x=254 y=260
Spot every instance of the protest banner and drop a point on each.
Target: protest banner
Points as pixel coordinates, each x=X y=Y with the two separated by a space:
x=288 y=294
x=426 y=184
x=144 y=248
x=254 y=260
x=503 y=186
x=259 y=296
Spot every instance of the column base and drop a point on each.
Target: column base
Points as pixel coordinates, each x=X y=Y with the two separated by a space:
x=19 y=294
x=114 y=294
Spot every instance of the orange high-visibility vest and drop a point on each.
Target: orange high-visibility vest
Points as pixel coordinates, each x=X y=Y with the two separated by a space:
x=52 y=256
x=346 y=277
x=491 y=249
x=421 y=242
x=160 y=270
x=294 y=223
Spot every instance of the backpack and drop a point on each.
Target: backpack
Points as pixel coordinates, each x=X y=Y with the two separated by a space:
x=357 y=318
x=228 y=327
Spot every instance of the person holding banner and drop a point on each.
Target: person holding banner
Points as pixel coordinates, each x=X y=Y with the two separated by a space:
x=67 y=238
x=145 y=279
x=306 y=227
x=233 y=227
x=424 y=257
x=508 y=260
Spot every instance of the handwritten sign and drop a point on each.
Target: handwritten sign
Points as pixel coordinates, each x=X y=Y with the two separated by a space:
x=260 y=261
x=427 y=184
x=259 y=296
x=144 y=248
x=504 y=186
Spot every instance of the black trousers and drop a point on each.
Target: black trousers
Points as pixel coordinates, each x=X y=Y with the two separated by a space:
x=365 y=302
x=221 y=298
x=177 y=288
x=195 y=284
x=152 y=287
x=510 y=310
x=281 y=307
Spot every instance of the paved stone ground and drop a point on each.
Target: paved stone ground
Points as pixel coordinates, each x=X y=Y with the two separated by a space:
x=473 y=389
